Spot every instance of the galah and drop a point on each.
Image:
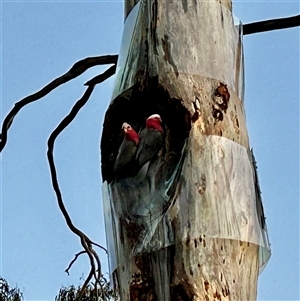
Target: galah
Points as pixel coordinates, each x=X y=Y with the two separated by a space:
x=128 y=147
x=151 y=140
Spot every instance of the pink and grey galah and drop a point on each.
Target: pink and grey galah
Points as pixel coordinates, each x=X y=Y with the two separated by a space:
x=128 y=147
x=151 y=140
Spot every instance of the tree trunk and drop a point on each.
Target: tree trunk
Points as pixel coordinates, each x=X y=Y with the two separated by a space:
x=189 y=227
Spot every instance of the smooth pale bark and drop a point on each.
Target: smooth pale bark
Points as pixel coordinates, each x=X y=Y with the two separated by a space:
x=186 y=61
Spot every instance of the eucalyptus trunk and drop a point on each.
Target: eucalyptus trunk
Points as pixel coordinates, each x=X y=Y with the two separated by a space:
x=192 y=226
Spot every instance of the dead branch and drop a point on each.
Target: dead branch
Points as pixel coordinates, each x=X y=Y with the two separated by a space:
x=85 y=241
x=268 y=25
x=77 y=69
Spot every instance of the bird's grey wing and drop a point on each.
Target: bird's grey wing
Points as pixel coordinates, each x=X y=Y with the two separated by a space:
x=126 y=152
x=151 y=142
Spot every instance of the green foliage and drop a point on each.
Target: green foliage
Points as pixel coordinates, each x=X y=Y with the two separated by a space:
x=9 y=294
x=101 y=292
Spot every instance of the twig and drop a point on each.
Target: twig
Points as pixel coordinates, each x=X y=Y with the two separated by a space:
x=101 y=247
x=77 y=69
x=99 y=78
x=97 y=278
x=271 y=25
x=71 y=263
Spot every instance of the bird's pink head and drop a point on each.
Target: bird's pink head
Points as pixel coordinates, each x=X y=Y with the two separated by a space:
x=130 y=134
x=154 y=122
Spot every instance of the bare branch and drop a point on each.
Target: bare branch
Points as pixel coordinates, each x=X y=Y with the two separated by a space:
x=77 y=69
x=271 y=25
x=85 y=241
x=63 y=124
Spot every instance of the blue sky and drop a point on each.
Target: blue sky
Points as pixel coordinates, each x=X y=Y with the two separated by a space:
x=42 y=40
